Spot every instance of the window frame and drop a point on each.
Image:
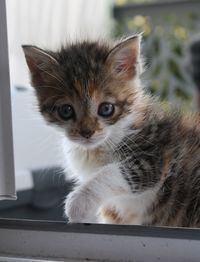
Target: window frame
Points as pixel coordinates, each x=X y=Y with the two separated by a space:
x=7 y=179
x=154 y=8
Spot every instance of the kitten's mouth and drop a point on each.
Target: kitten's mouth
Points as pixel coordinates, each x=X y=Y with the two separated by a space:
x=89 y=142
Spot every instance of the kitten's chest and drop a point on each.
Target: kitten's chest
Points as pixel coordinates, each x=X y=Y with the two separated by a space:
x=85 y=164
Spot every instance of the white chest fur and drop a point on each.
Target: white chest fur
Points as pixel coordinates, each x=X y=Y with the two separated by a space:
x=84 y=164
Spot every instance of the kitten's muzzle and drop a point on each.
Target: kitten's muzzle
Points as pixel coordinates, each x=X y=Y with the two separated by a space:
x=87 y=133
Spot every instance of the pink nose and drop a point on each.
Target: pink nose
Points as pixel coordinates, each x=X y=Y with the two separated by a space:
x=87 y=133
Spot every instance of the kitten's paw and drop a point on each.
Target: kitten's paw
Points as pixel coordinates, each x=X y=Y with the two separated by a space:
x=112 y=214
x=80 y=207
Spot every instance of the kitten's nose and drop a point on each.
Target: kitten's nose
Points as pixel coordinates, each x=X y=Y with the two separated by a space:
x=87 y=133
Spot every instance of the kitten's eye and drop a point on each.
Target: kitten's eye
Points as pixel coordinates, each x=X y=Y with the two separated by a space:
x=66 y=112
x=106 y=109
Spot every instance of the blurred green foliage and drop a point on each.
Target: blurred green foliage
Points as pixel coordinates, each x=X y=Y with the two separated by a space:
x=165 y=41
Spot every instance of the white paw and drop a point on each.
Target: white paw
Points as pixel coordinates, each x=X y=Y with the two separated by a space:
x=80 y=206
x=113 y=212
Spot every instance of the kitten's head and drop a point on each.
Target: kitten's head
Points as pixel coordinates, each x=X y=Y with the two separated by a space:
x=88 y=88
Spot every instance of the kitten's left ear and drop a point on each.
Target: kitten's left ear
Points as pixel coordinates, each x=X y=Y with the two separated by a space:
x=38 y=61
x=124 y=58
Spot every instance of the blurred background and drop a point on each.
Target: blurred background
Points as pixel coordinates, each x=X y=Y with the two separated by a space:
x=171 y=48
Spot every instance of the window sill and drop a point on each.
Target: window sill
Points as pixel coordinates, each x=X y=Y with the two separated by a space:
x=58 y=240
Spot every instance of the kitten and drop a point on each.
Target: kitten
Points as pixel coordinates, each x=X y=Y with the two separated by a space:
x=134 y=163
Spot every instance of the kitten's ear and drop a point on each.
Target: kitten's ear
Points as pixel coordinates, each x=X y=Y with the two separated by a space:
x=124 y=58
x=38 y=60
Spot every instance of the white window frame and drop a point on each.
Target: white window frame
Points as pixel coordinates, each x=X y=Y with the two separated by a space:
x=7 y=180
x=24 y=239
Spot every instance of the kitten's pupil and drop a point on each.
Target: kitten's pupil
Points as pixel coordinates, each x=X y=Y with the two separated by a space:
x=106 y=109
x=66 y=112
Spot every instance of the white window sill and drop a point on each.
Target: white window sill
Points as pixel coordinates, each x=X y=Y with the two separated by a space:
x=60 y=241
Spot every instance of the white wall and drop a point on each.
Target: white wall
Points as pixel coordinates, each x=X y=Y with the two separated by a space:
x=50 y=23
x=36 y=145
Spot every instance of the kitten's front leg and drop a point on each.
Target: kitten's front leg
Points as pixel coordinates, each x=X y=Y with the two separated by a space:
x=83 y=203
x=80 y=205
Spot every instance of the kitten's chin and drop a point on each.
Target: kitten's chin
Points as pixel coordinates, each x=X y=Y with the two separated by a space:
x=88 y=143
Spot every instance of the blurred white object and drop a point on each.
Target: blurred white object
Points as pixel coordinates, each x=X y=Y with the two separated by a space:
x=49 y=24
x=36 y=145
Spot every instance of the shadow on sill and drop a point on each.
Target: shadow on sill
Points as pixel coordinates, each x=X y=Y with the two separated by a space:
x=45 y=201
